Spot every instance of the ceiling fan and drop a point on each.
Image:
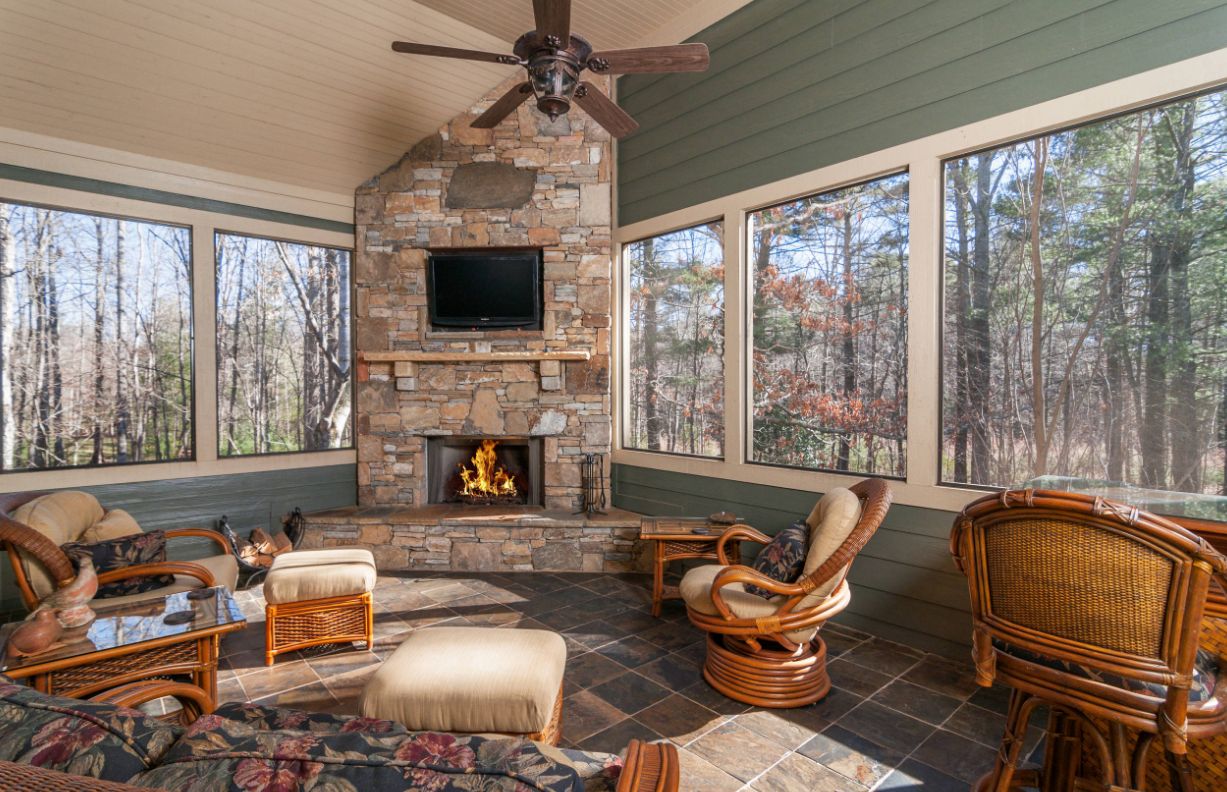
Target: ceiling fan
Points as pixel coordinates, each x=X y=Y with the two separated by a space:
x=554 y=57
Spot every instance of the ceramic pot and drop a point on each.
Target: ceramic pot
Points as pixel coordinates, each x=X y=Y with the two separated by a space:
x=36 y=633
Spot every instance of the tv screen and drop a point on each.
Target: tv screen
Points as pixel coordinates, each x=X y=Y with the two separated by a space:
x=486 y=288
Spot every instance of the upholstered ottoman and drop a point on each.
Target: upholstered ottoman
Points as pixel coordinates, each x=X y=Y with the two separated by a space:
x=318 y=597
x=473 y=679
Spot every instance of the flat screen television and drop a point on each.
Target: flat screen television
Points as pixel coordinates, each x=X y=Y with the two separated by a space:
x=484 y=289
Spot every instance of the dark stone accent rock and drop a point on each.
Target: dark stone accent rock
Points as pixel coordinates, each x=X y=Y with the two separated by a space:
x=490 y=185
x=589 y=377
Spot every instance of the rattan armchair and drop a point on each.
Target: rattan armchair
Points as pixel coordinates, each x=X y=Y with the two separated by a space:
x=26 y=545
x=1092 y=608
x=771 y=655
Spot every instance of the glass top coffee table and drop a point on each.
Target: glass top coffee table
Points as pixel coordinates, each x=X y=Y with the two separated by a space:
x=134 y=641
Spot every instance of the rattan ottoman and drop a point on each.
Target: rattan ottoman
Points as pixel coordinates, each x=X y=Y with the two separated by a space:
x=473 y=680
x=318 y=597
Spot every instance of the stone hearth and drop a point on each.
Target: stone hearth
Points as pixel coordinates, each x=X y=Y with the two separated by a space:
x=486 y=538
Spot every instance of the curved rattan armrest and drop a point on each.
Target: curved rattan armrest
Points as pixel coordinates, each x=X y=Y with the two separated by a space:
x=159 y=568
x=742 y=533
x=202 y=532
x=193 y=699
x=57 y=563
x=650 y=767
x=738 y=573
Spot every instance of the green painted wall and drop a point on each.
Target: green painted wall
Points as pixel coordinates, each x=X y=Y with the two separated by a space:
x=795 y=85
x=904 y=585
x=248 y=499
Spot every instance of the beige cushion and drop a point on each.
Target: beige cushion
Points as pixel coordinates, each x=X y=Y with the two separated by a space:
x=470 y=679
x=116 y=524
x=833 y=518
x=62 y=517
x=225 y=570
x=696 y=591
x=303 y=575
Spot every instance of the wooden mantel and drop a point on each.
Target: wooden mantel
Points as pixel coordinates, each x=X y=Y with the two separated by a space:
x=474 y=357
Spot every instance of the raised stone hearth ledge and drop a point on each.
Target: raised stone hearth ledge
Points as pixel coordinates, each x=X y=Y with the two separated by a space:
x=483 y=538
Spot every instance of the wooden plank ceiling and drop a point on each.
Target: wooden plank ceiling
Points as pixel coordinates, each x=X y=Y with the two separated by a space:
x=303 y=92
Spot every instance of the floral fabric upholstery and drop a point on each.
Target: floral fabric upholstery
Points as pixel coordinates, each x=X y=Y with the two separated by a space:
x=348 y=755
x=783 y=558
x=126 y=551
x=1205 y=673
x=96 y=740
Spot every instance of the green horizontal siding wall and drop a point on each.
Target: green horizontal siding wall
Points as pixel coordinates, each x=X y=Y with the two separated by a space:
x=904 y=585
x=795 y=85
x=249 y=499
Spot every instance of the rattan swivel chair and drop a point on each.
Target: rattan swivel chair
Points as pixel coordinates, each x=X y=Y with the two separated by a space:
x=1092 y=608
x=767 y=652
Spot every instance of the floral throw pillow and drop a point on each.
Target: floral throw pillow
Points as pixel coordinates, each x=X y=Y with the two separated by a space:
x=126 y=551
x=783 y=558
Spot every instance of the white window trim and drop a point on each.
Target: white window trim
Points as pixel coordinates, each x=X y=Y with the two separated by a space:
x=204 y=226
x=922 y=158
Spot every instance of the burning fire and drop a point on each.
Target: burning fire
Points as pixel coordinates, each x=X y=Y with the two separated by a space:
x=487 y=478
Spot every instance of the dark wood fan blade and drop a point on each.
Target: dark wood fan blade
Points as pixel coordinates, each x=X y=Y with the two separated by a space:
x=506 y=104
x=604 y=111
x=553 y=18
x=452 y=52
x=673 y=58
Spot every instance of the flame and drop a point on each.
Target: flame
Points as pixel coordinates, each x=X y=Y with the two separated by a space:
x=487 y=477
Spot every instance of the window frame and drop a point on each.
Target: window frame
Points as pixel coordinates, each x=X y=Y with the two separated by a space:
x=922 y=158
x=191 y=362
x=353 y=349
x=748 y=350
x=203 y=221
x=622 y=391
x=1220 y=87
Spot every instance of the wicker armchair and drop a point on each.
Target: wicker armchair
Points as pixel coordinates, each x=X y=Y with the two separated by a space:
x=1092 y=608
x=27 y=547
x=767 y=652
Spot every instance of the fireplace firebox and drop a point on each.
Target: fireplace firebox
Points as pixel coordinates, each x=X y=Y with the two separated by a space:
x=484 y=471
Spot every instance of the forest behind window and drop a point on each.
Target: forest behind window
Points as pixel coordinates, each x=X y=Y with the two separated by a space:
x=830 y=329
x=95 y=340
x=676 y=354
x=1086 y=304
x=283 y=346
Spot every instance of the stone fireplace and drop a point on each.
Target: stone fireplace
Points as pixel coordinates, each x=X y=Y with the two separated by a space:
x=530 y=182
x=426 y=398
x=508 y=470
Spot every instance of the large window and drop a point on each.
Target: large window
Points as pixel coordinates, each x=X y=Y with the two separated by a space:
x=283 y=346
x=95 y=340
x=676 y=352
x=1086 y=304
x=830 y=329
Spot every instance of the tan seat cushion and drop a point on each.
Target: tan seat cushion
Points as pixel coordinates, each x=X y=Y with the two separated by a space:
x=303 y=575
x=62 y=517
x=831 y=521
x=225 y=570
x=470 y=679
x=115 y=524
x=696 y=591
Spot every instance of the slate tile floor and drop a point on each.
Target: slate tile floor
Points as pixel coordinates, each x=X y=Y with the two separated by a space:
x=896 y=718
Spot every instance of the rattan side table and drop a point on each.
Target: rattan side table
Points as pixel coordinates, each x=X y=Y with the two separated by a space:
x=676 y=538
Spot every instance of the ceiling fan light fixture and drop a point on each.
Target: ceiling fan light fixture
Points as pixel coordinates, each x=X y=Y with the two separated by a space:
x=553 y=78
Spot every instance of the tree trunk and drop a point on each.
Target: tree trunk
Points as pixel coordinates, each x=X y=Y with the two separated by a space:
x=848 y=345
x=99 y=407
x=962 y=405
x=121 y=352
x=651 y=410
x=979 y=350
x=8 y=317
x=1039 y=406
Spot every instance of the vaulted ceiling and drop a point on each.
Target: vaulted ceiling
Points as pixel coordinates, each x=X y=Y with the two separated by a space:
x=303 y=92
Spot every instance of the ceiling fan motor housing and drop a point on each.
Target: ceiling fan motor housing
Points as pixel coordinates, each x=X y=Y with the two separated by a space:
x=553 y=72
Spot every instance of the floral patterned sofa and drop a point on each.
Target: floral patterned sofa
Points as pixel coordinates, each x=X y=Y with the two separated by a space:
x=58 y=743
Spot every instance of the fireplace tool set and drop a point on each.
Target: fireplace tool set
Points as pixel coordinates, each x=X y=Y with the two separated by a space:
x=592 y=482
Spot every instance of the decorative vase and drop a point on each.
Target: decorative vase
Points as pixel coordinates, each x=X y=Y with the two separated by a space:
x=72 y=601
x=40 y=629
